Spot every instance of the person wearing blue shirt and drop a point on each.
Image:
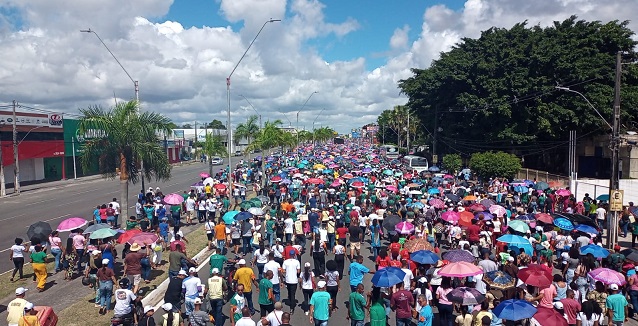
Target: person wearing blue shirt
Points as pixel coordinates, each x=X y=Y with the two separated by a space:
x=160 y=212
x=495 y=320
x=96 y=215
x=425 y=314
x=313 y=219
x=357 y=271
x=312 y=202
x=163 y=229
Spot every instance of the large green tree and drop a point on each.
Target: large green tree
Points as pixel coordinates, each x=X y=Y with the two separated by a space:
x=495 y=165
x=248 y=130
x=129 y=136
x=498 y=92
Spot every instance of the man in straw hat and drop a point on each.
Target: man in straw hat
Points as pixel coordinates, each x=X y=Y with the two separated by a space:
x=133 y=265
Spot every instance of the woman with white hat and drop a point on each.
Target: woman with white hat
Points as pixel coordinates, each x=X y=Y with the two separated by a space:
x=171 y=317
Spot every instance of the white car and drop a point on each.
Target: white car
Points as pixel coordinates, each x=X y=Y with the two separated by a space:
x=217 y=160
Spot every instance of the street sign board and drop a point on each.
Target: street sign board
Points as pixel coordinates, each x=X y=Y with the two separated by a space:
x=616 y=200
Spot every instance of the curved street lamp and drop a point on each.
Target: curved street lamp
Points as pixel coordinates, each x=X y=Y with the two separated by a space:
x=304 y=105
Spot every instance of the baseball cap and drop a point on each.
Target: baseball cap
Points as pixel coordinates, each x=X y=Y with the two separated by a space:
x=558 y=305
x=278 y=239
x=148 y=308
x=614 y=287
x=21 y=290
x=28 y=306
x=321 y=284
x=95 y=252
x=510 y=258
x=291 y=252
x=192 y=270
x=182 y=272
x=105 y=261
x=197 y=301
x=242 y=262
x=307 y=264
x=167 y=306
x=215 y=270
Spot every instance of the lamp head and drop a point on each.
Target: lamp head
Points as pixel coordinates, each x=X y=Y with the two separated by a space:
x=86 y=30
x=274 y=20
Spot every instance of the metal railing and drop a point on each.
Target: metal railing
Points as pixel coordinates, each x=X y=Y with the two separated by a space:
x=531 y=174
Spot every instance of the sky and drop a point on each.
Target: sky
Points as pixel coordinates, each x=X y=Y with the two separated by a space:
x=352 y=53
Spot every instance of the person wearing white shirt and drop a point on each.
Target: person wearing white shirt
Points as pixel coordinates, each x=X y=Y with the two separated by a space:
x=274 y=317
x=289 y=228
x=190 y=209
x=116 y=207
x=275 y=268
x=292 y=270
x=409 y=276
x=191 y=287
x=600 y=217
x=245 y=320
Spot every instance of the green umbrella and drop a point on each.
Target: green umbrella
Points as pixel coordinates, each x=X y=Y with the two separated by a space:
x=518 y=226
x=102 y=233
x=246 y=204
x=387 y=172
x=301 y=166
x=229 y=217
x=256 y=202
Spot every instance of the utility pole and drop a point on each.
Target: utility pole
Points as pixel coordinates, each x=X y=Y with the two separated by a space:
x=614 y=181
x=3 y=189
x=407 y=142
x=196 y=140
x=435 y=157
x=75 y=171
x=16 y=165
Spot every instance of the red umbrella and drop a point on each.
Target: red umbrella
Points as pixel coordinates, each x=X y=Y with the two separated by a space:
x=144 y=238
x=477 y=208
x=465 y=218
x=437 y=203
x=315 y=181
x=347 y=176
x=549 y=317
x=536 y=275
x=545 y=218
x=275 y=179
x=220 y=186
x=126 y=236
x=357 y=184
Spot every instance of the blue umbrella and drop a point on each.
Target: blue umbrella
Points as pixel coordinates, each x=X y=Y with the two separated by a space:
x=529 y=183
x=597 y=251
x=586 y=228
x=327 y=171
x=514 y=310
x=433 y=191
x=564 y=224
x=521 y=189
x=518 y=242
x=541 y=185
x=604 y=197
x=424 y=257
x=243 y=216
x=388 y=277
x=526 y=218
x=229 y=217
x=434 y=169
x=417 y=205
x=438 y=179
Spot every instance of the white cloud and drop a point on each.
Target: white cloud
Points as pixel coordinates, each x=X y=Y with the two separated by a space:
x=182 y=71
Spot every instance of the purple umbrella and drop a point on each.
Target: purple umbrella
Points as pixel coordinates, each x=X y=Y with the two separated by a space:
x=487 y=203
x=486 y=215
x=366 y=170
x=459 y=255
x=286 y=181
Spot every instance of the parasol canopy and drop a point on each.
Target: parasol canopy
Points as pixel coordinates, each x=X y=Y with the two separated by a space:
x=71 y=224
x=607 y=276
x=40 y=230
x=465 y=296
x=514 y=310
x=459 y=255
x=416 y=244
x=424 y=257
x=103 y=233
x=499 y=280
x=388 y=277
x=536 y=275
x=173 y=199
x=460 y=269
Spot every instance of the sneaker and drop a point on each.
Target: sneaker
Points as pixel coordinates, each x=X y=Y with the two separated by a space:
x=307 y=313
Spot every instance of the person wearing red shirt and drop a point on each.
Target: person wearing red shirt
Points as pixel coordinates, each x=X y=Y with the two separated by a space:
x=473 y=232
x=382 y=260
x=287 y=250
x=395 y=249
x=342 y=232
x=395 y=263
x=571 y=307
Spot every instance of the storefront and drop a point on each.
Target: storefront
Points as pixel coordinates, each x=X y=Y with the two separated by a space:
x=40 y=142
x=74 y=148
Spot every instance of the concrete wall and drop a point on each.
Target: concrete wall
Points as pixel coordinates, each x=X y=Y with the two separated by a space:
x=597 y=187
x=30 y=170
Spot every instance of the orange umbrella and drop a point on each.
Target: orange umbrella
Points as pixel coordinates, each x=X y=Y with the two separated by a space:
x=465 y=218
x=418 y=244
x=469 y=197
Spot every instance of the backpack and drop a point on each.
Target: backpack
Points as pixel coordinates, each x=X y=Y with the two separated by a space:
x=616 y=261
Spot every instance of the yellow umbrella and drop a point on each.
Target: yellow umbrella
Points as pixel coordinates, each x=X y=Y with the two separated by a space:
x=319 y=167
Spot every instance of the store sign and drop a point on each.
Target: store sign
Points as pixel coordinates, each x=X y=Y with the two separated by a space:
x=51 y=120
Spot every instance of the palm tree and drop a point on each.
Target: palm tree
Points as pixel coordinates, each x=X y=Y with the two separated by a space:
x=214 y=146
x=248 y=130
x=269 y=137
x=128 y=137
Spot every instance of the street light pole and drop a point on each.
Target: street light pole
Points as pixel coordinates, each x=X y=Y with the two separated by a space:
x=136 y=84
x=16 y=165
x=251 y=105
x=304 y=104
x=313 y=127
x=229 y=137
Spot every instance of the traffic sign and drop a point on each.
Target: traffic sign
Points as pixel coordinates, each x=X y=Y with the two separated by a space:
x=616 y=200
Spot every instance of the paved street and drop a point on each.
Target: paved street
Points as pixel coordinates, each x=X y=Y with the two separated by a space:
x=53 y=202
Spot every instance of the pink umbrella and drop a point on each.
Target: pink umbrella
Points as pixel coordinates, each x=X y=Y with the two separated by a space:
x=71 y=224
x=450 y=216
x=357 y=184
x=204 y=175
x=460 y=269
x=335 y=184
x=447 y=176
x=404 y=228
x=498 y=210
x=173 y=199
x=347 y=176
x=333 y=166
x=607 y=276
x=391 y=188
x=437 y=203
x=563 y=192
x=145 y=238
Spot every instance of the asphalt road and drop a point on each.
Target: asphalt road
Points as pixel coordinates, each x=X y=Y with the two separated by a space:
x=55 y=201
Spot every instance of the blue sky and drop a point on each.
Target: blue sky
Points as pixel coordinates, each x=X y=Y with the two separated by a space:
x=377 y=18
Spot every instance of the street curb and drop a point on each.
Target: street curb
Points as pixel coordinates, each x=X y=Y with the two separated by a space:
x=156 y=297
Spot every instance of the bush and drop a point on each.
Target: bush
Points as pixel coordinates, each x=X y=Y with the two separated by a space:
x=452 y=162
x=495 y=164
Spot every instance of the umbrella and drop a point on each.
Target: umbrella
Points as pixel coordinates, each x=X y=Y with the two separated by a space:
x=416 y=192
x=404 y=228
x=387 y=172
x=518 y=242
x=126 y=236
x=416 y=244
x=499 y=280
x=276 y=179
x=229 y=217
x=477 y=208
x=221 y=186
x=459 y=255
x=204 y=175
x=447 y=176
x=424 y=257
x=256 y=211
x=630 y=254
x=514 y=310
x=521 y=189
x=607 y=276
x=71 y=224
x=564 y=223
x=315 y=181
x=318 y=166
x=518 y=226
x=243 y=216
x=433 y=191
x=544 y=217
x=144 y=238
x=452 y=197
x=437 y=203
x=417 y=205
x=414 y=185
x=451 y=216
x=391 y=221
x=40 y=230
x=549 y=317
x=388 y=277
x=486 y=216
x=263 y=199
x=96 y=227
x=498 y=210
x=526 y=218
x=586 y=229
x=208 y=180
x=563 y=192
x=103 y=233
x=465 y=218
x=536 y=275
x=597 y=251
x=434 y=169
x=460 y=269
x=465 y=296
x=391 y=188
x=173 y=199
x=257 y=202
x=541 y=185
x=603 y=197
x=487 y=203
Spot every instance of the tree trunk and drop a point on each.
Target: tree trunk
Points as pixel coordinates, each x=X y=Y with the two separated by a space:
x=210 y=165
x=123 y=189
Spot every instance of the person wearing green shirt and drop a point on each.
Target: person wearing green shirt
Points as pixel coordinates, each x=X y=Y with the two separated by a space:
x=131 y=223
x=217 y=261
x=356 y=309
x=226 y=204
x=270 y=231
x=38 y=259
x=319 y=305
x=266 y=296
x=616 y=306
x=237 y=303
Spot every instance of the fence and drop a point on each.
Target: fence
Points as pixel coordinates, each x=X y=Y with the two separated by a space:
x=531 y=174
x=597 y=187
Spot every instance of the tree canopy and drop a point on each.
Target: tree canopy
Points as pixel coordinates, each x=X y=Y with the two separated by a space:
x=495 y=164
x=498 y=92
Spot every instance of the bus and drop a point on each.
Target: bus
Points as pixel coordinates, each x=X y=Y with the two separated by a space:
x=389 y=152
x=416 y=163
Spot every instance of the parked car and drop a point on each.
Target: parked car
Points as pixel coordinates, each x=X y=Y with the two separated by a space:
x=239 y=153
x=217 y=160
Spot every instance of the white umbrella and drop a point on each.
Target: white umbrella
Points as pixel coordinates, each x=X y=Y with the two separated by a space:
x=415 y=192
x=208 y=180
x=256 y=211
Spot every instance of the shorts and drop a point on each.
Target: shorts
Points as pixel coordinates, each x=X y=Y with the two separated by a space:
x=135 y=279
x=191 y=214
x=355 y=245
x=209 y=236
x=236 y=242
